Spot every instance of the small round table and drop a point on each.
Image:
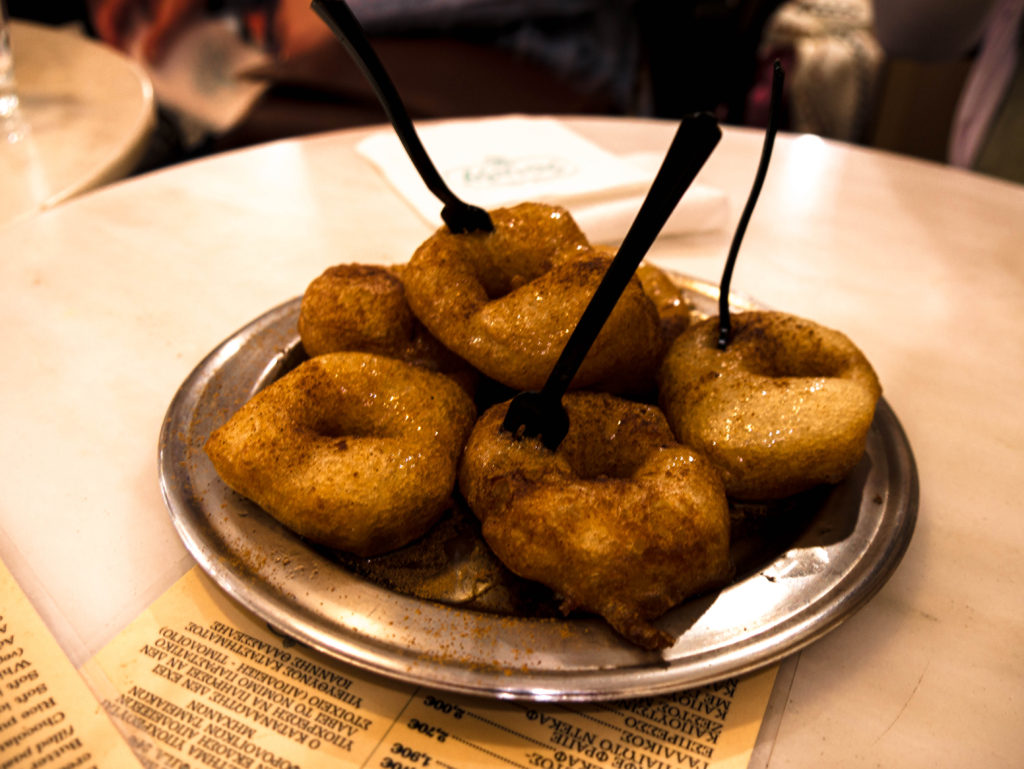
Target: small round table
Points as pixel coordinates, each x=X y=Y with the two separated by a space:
x=86 y=113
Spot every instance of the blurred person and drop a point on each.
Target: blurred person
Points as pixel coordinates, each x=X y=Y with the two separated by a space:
x=833 y=64
x=988 y=126
x=462 y=58
x=592 y=43
x=448 y=58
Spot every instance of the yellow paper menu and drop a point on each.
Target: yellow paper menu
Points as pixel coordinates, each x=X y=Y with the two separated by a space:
x=196 y=680
x=48 y=716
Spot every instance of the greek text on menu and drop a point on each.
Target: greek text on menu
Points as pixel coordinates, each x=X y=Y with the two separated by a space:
x=48 y=716
x=219 y=689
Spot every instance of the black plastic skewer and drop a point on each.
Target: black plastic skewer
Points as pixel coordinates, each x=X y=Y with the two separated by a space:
x=724 y=318
x=457 y=214
x=542 y=413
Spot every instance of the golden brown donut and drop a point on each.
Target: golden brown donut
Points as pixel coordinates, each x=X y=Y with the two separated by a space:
x=507 y=301
x=674 y=311
x=362 y=308
x=621 y=520
x=353 y=451
x=785 y=407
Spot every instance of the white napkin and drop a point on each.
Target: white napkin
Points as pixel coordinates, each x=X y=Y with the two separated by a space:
x=509 y=160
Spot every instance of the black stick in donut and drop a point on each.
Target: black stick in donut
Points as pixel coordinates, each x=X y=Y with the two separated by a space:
x=724 y=320
x=458 y=215
x=541 y=413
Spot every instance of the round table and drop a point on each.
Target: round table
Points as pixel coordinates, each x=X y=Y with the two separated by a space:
x=112 y=299
x=86 y=113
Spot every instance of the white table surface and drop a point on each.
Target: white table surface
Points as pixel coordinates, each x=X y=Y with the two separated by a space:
x=86 y=114
x=110 y=300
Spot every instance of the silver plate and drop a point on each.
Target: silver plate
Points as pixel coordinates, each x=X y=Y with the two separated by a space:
x=848 y=542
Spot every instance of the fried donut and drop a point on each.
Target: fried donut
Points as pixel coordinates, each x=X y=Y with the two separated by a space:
x=362 y=308
x=507 y=301
x=621 y=520
x=785 y=407
x=353 y=451
x=674 y=311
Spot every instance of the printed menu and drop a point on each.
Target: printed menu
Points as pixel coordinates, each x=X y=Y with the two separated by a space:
x=198 y=682
x=48 y=717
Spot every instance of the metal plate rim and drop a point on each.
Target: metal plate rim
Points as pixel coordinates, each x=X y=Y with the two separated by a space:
x=646 y=675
